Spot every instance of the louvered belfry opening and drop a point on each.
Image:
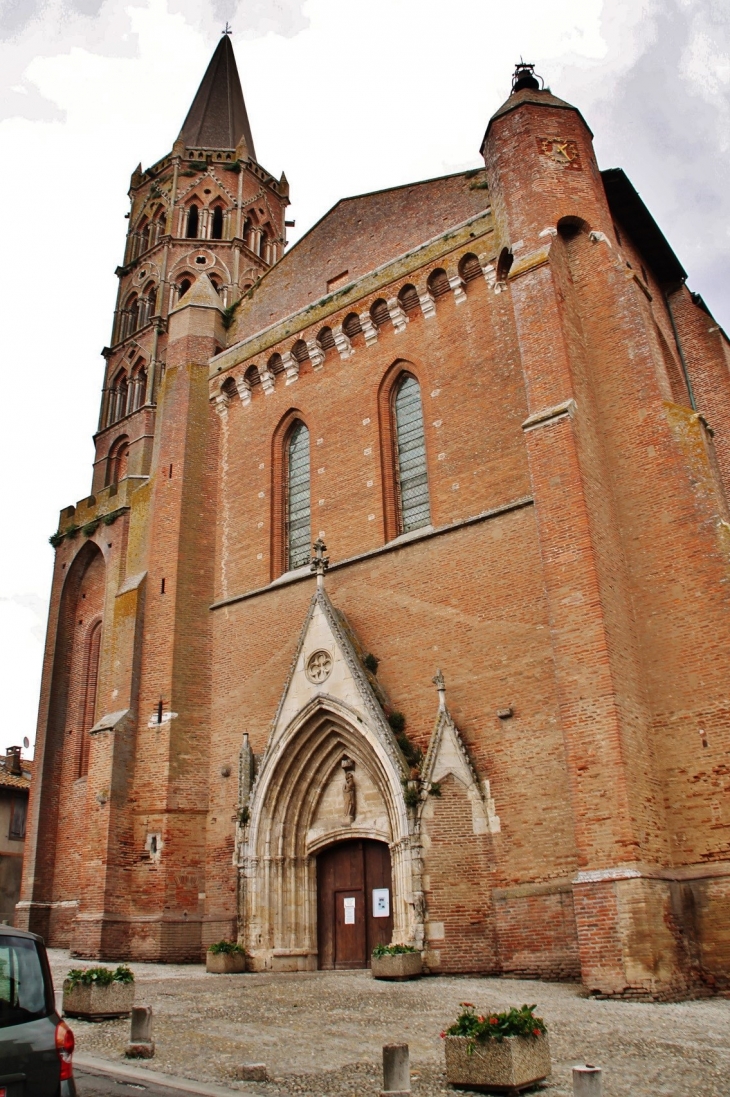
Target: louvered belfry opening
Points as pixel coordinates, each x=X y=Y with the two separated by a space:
x=351 y=325
x=298 y=504
x=379 y=313
x=326 y=339
x=438 y=283
x=408 y=298
x=470 y=267
x=415 y=509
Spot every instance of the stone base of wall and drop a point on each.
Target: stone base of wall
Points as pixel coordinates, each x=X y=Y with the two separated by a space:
x=117 y=938
x=54 y=922
x=649 y=938
x=264 y=959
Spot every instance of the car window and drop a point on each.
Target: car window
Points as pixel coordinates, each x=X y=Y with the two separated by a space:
x=22 y=986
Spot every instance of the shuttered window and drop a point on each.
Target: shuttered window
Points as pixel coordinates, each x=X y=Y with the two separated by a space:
x=298 y=510
x=415 y=509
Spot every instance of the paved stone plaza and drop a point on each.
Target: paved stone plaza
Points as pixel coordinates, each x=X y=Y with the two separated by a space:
x=322 y=1033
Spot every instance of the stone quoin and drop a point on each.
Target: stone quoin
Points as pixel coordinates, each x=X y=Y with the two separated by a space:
x=493 y=405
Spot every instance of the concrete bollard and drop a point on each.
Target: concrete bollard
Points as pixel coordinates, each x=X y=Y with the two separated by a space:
x=141 y=1045
x=587 y=1081
x=396 y=1071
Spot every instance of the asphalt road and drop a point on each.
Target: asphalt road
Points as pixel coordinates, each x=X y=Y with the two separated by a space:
x=97 y=1085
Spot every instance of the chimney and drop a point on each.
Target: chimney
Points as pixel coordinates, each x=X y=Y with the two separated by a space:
x=13 y=761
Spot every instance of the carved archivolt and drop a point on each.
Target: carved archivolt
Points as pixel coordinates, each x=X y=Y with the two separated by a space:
x=329 y=724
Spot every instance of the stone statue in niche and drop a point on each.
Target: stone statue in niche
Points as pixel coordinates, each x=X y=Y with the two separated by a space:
x=349 y=792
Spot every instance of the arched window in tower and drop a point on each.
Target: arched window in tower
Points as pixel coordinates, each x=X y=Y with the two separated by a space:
x=116 y=462
x=133 y=313
x=183 y=286
x=139 y=384
x=144 y=236
x=410 y=444
x=298 y=517
x=216 y=228
x=192 y=225
x=122 y=396
x=151 y=304
x=88 y=702
x=117 y=404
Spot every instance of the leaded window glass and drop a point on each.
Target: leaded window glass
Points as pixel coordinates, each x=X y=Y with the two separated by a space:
x=415 y=509
x=298 y=507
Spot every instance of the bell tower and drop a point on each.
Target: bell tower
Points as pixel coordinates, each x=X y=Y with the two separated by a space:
x=206 y=207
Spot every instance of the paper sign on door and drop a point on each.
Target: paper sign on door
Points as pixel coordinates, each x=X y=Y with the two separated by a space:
x=350 y=911
x=381 y=902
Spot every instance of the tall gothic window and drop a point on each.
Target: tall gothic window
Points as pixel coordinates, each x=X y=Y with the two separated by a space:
x=216 y=231
x=192 y=227
x=297 y=500
x=414 y=506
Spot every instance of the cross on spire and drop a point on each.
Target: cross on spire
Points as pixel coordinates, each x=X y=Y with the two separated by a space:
x=227 y=29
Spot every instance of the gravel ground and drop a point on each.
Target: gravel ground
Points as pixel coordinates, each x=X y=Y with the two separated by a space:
x=321 y=1034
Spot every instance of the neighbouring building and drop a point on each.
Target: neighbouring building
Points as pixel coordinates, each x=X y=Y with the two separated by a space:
x=15 y=775
x=496 y=725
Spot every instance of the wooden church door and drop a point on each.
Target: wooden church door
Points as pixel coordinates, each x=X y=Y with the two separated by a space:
x=354 y=902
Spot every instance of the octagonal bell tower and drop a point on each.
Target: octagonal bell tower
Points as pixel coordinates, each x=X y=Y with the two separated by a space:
x=206 y=207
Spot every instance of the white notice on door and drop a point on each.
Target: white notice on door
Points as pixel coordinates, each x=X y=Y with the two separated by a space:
x=350 y=910
x=381 y=902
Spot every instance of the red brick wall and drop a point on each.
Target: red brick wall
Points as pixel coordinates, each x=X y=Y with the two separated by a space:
x=457 y=866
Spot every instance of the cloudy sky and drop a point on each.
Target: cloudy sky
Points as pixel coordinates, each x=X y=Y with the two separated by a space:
x=345 y=96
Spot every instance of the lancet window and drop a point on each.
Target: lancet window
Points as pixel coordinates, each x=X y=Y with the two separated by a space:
x=298 y=507
x=216 y=227
x=412 y=477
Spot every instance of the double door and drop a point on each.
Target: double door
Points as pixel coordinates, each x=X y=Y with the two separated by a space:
x=354 y=902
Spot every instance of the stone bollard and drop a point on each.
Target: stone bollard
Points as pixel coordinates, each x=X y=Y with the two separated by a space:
x=396 y=1071
x=252 y=1072
x=141 y=1045
x=587 y=1081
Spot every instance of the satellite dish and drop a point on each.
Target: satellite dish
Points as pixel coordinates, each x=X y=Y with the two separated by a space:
x=26 y=742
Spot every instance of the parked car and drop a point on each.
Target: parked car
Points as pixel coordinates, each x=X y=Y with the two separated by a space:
x=36 y=1045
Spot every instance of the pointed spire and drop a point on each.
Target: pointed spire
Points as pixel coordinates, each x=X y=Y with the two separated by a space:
x=217 y=118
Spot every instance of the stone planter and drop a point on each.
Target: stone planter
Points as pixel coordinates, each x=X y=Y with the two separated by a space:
x=225 y=963
x=404 y=965
x=98 y=1003
x=515 y=1064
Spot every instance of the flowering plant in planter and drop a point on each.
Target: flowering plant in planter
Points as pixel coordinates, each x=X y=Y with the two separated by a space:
x=98 y=976
x=396 y=962
x=495 y=1026
x=507 y=1051
x=393 y=950
x=98 y=992
x=225 y=958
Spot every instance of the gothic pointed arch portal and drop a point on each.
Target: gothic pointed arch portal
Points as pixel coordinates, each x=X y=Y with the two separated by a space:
x=332 y=773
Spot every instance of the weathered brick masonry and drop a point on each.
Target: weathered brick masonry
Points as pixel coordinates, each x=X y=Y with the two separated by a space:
x=558 y=806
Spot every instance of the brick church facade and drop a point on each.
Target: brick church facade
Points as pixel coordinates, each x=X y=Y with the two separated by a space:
x=491 y=718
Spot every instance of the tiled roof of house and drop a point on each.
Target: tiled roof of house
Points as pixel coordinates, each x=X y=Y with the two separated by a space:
x=13 y=780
